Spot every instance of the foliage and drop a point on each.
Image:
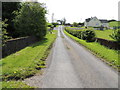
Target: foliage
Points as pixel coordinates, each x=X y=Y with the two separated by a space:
x=7 y=13
x=75 y=24
x=99 y=33
x=28 y=61
x=30 y=20
x=68 y=24
x=111 y=20
x=116 y=35
x=54 y=24
x=49 y=25
x=109 y=55
x=60 y=21
x=81 y=24
x=4 y=35
x=87 y=35
x=64 y=21
x=75 y=33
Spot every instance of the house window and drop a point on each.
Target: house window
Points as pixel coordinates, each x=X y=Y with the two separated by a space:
x=97 y=24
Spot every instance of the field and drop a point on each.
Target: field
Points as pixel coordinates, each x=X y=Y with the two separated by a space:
x=104 y=34
x=27 y=61
x=115 y=23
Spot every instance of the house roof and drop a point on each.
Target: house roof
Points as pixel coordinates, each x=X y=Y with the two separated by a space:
x=103 y=21
x=87 y=20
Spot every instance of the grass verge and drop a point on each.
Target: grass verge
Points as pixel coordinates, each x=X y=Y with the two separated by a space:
x=14 y=84
x=28 y=61
x=109 y=55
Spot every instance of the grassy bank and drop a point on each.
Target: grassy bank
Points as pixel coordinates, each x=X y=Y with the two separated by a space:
x=109 y=55
x=27 y=61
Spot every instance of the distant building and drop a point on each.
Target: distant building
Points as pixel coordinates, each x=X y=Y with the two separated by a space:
x=95 y=22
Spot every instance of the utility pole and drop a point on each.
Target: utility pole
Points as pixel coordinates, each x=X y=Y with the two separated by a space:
x=52 y=17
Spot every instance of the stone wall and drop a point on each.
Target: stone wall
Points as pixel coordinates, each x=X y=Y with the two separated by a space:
x=17 y=44
x=109 y=44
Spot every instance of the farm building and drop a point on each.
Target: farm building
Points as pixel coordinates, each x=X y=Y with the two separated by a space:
x=96 y=23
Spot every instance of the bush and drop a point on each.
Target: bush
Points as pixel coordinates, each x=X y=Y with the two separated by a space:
x=54 y=24
x=75 y=33
x=30 y=20
x=75 y=24
x=3 y=35
x=116 y=35
x=7 y=13
x=87 y=35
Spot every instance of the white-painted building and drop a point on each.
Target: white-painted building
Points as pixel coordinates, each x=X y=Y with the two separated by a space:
x=95 y=22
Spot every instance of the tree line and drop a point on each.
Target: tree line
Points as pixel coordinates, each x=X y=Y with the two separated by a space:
x=21 y=19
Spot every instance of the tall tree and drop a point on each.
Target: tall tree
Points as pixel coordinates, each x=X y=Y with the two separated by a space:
x=30 y=20
x=7 y=13
x=64 y=21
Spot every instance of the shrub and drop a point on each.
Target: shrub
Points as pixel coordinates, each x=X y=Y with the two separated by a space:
x=88 y=35
x=75 y=24
x=75 y=33
x=7 y=13
x=54 y=24
x=116 y=35
x=30 y=20
x=3 y=35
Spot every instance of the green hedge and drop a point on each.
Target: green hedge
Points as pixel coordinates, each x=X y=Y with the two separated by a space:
x=88 y=35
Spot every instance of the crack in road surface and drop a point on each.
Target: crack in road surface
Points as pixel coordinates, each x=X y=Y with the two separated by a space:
x=73 y=68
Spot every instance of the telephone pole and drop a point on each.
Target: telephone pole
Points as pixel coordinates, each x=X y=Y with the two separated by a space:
x=52 y=17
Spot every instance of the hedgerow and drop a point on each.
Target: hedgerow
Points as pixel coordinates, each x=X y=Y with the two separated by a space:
x=88 y=35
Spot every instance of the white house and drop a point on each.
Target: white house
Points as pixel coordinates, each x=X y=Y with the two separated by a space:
x=95 y=22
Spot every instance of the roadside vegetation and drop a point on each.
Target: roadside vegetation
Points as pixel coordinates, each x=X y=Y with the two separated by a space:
x=7 y=14
x=111 y=56
x=30 y=20
x=15 y=84
x=23 y=19
x=26 y=62
x=104 y=34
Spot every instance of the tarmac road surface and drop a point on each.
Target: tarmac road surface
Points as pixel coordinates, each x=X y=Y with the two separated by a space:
x=70 y=65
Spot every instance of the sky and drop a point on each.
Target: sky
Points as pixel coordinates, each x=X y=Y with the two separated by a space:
x=79 y=10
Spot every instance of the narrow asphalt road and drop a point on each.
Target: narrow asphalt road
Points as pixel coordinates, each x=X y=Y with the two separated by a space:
x=70 y=65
